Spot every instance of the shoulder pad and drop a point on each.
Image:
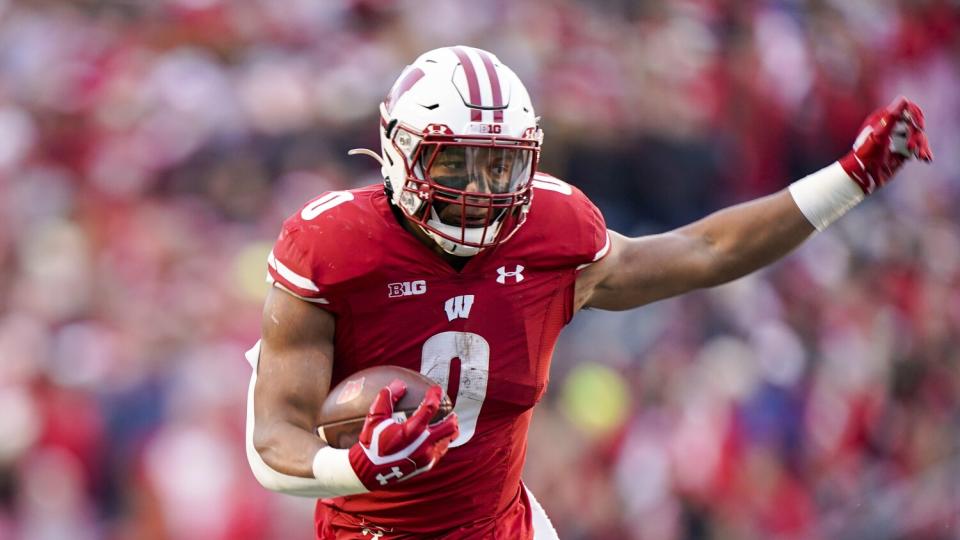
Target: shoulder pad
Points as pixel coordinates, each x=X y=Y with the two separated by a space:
x=332 y=240
x=565 y=227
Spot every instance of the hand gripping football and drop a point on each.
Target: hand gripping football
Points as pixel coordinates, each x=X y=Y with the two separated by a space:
x=344 y=411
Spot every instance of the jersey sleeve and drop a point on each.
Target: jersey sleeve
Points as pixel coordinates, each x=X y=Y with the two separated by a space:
x=593 y=233
x=568 y=224
x=320 y=250
x=289 y=265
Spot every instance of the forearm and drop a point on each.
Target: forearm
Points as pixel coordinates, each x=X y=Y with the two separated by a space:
x=292 y=459
x=746 y=237
x=749 y=236
x=283 y=434
x=287 y=448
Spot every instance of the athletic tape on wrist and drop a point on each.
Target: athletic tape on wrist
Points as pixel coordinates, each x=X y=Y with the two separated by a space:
x=331 y=467
x=826 y=195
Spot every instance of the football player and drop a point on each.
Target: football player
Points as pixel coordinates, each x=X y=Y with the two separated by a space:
x=465 y=264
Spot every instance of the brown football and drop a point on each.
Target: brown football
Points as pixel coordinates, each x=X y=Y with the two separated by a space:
x=345 y=409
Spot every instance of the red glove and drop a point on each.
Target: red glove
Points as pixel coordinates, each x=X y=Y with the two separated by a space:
x=391 y=450
x=888 y=137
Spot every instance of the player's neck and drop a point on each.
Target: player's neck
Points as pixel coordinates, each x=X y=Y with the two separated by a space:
x=456 y=262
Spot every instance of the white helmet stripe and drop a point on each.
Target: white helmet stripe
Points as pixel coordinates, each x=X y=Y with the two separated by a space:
x=495 y=88
x=473 y=84
x=483 y=81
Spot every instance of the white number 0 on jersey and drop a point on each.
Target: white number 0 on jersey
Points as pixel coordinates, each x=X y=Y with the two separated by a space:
x=440 y=350
x=474 y=354
x=324 y=203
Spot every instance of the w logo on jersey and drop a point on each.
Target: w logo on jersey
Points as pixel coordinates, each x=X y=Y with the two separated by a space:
x=517 y=274
x=458 y=307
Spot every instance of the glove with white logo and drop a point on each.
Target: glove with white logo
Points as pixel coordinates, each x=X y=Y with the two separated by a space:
x=888 y=137
x=392 y=450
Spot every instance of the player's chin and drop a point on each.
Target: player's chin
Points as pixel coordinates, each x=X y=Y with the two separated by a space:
x=453 y=216
x=478 y=219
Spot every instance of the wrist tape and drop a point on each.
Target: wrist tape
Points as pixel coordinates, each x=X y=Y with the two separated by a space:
x=331 y=467
x=826 y=195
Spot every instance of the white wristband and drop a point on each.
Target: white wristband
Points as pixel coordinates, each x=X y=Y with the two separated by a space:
x=331 y=467
x=826 y=195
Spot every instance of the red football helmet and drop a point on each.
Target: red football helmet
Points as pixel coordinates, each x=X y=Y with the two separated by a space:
x=460 y=145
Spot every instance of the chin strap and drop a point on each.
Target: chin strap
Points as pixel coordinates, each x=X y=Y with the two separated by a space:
x=451 y=247
x=366 y=152
x=475 y=235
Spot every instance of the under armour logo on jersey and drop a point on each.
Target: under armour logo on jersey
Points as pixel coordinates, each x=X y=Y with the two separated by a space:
x=458 y=307
x=383 y=479
x=517 y=274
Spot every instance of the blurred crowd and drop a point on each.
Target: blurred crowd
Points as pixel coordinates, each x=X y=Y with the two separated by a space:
x=149 y=151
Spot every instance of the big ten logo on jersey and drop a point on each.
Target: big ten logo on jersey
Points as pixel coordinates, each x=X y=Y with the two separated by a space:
x=406 y=288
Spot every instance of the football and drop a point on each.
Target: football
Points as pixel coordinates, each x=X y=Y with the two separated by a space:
x=345 y=409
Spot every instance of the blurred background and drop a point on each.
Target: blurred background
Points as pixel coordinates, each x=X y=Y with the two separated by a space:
x=149 y=151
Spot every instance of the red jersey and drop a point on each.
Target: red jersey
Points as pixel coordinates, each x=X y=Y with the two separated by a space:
x=486 y=333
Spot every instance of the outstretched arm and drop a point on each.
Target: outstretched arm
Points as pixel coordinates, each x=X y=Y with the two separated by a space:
x=719 y=248
x=738 y=240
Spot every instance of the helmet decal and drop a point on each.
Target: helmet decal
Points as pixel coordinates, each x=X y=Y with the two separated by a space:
x=400 y=87
x=472 y=83
x=494 y=86
x=475 y=96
